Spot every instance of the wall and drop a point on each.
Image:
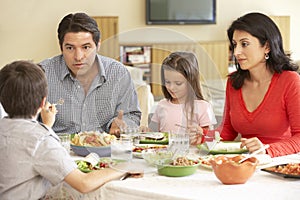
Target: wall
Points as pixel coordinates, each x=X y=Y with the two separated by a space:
x=28 y=28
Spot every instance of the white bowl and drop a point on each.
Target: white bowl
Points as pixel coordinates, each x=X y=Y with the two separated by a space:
x=156 y=156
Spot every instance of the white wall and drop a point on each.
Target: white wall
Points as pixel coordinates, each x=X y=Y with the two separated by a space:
x=28 y=28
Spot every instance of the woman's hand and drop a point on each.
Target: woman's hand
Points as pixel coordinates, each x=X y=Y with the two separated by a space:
x=252 y=144
x=48 y=114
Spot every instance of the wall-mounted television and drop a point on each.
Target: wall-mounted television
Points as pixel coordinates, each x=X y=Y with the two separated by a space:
x=180 y=12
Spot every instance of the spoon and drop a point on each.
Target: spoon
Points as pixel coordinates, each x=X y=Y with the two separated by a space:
x=255 y=152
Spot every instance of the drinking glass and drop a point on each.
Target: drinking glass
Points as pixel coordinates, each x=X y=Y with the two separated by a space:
x=65 y=140
x=131 y=132
x=179 y=142
x=121 y=149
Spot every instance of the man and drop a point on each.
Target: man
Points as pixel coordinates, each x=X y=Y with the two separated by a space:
x=98 y=91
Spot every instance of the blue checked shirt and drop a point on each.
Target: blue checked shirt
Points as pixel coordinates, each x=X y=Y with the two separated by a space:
x=112 y=90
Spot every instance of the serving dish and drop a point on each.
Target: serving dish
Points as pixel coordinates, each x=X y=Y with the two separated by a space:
x=283 y=170
x=229 y=171
x=103 y=151
x=172 y=170
x=87 y=142
x=156 y=156
x=223 y=147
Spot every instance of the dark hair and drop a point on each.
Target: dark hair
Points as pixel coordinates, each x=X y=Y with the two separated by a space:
x=186 y=64
x=266 y=31
x=23 y=86
x=78 y=22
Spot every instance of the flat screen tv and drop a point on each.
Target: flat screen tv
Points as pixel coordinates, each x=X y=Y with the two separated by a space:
x=180 y=12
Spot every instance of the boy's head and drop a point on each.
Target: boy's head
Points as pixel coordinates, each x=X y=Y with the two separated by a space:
x=23 y=86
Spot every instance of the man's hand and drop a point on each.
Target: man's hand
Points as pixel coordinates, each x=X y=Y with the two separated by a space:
x=117 y=124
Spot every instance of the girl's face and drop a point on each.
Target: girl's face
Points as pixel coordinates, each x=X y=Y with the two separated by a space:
x=248 y=50
x=176 y=85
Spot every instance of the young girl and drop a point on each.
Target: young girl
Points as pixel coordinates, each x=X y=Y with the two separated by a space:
x=183 y=108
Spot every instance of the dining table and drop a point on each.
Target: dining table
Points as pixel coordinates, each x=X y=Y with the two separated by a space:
x=203 y=184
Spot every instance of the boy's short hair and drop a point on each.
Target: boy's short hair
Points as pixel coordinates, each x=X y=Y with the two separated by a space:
x=23 y=85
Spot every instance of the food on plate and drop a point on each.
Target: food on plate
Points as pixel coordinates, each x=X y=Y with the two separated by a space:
x=140 y=148
x=291 y=169
x=227 y=146
x=92 y=139
x=86 y=166
x=152 y=136
x=183 y=161
x=205 y=161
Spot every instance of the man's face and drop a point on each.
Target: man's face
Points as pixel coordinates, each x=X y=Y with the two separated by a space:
x=79 y=51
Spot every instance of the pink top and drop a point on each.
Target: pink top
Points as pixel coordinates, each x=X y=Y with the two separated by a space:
x=275 y=121
x=167 y=115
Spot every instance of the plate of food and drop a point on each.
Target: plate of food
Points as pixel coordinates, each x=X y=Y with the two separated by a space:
x=86 y=142
x=86 y=166
x=224 y=147
x=154 y=138
x=138 y=149
x=289 y=170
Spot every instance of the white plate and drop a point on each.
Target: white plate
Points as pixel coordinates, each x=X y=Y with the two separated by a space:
x=134 y=166
x=146 y=146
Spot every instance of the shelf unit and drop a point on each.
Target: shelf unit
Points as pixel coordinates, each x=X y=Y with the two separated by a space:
x=137 y=56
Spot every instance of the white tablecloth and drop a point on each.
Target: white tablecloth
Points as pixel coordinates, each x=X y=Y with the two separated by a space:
x=204 y=185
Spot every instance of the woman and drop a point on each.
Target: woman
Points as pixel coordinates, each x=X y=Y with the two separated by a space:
x=263 y=95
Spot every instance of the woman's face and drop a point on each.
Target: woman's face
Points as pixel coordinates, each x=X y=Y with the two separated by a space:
x=176 y=85
x=248 y=50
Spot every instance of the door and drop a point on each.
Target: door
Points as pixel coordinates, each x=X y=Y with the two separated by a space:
x=109 y=29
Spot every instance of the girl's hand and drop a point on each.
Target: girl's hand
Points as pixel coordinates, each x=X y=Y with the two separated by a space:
x=252 y=144
x=48 y=114
x=196 y=134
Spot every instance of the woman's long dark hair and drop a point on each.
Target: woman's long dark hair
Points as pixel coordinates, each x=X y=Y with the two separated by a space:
x=186 y=64
x=266 y=31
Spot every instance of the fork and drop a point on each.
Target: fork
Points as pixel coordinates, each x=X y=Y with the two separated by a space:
x=59 y=102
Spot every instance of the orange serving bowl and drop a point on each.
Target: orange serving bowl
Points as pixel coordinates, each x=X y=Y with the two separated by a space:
x=229 y=171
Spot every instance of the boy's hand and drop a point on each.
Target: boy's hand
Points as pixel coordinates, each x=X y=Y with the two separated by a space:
x=48 y=114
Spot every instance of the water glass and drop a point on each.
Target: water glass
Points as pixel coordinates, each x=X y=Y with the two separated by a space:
x=65 y=140
x=131 y=132
x=121 y=149
x=179 y=142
